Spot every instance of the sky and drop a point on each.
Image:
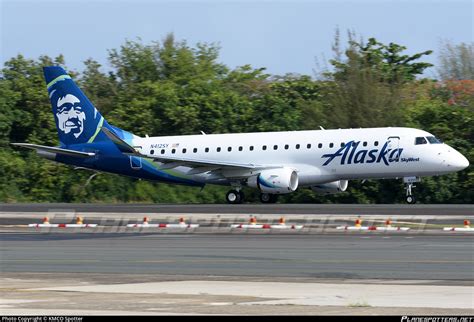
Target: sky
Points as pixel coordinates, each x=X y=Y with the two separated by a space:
x=283 y=36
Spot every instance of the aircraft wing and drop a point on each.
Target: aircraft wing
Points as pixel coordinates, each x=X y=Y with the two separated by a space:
x=200 y=165
x=52 y=149
x=203 y=163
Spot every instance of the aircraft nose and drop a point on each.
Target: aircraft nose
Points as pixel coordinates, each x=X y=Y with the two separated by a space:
x=457 y=161
x=463 y=162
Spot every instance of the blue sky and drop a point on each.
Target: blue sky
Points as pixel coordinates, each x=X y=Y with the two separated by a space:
x=283 y=36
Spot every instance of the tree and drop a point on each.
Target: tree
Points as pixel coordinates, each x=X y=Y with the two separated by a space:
x=386 y=62
x=368 y=82
x=100 y=88
x=172 y=88
x=456 y=62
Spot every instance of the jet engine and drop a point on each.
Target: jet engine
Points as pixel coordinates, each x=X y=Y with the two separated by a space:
x=331 y=187
x=275 y=181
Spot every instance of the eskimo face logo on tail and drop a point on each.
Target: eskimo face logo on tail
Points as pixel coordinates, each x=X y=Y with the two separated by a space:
x=70 y=115
x=350 y=154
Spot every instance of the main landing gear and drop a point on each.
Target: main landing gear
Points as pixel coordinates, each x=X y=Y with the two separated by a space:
x=234 y=197
x=268 y=198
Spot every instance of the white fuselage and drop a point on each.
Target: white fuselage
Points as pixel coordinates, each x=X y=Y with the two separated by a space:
x=319 y=156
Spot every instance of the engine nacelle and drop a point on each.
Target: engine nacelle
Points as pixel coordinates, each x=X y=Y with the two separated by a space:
x=275 y=181
x=331 y=187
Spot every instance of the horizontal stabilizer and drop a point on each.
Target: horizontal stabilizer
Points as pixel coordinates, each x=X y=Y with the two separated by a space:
x=51 y=149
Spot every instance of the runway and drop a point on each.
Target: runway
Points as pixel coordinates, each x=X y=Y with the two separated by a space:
x=279 y=209
x=447 y=258
x=214 y=269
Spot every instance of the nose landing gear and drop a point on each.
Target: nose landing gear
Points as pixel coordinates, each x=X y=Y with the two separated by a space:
x=409 y=184
x=410 y=198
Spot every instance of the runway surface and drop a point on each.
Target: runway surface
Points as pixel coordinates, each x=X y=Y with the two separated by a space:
x=357 y=209
x=313 y=256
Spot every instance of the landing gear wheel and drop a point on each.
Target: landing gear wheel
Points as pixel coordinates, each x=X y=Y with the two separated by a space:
x=242 y=196
x=411 y=199
x=268 y=198
x=265 y=197
x=234 y=197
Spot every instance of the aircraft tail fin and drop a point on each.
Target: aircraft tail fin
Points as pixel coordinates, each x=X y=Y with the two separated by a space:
x=77 y=120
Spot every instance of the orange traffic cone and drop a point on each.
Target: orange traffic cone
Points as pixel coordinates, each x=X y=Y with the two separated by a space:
x=467 y=224
x=253 y=220
x=358 y=222
x=46 y=221
x=145 y=220
x=79 y=220
x=388 y=222
x=181 y=221
x=282 y=221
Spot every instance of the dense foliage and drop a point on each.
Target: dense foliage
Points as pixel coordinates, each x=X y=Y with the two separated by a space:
x=172 y=88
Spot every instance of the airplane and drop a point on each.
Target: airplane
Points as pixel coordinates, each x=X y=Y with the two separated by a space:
x=275 y=163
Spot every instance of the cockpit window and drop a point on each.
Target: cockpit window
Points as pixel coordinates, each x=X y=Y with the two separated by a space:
x=420 y=140
x=433 y=140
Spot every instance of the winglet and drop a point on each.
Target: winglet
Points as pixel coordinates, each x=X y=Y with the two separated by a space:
x=123 y=146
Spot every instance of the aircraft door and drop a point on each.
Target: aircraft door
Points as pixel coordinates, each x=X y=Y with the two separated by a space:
x=394 y=143
x=135 y=162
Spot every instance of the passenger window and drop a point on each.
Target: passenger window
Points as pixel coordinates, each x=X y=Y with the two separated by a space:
x=331 y=145
x=195 y=150
x=420 y=140
x=184 y=150
x=218 y=149
x=342 y=144
x=297 y=146
x=320 y=145
x=251 y=148
x=206 y=150
x=163 y=151
x=376 y=143
x=364 y=144
x=229 y=149
x=286 y=146
x=152 y=151
x=308 y=146
x=173 y=151
x=240 y=148
x=264 y=147
x=275 y=147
